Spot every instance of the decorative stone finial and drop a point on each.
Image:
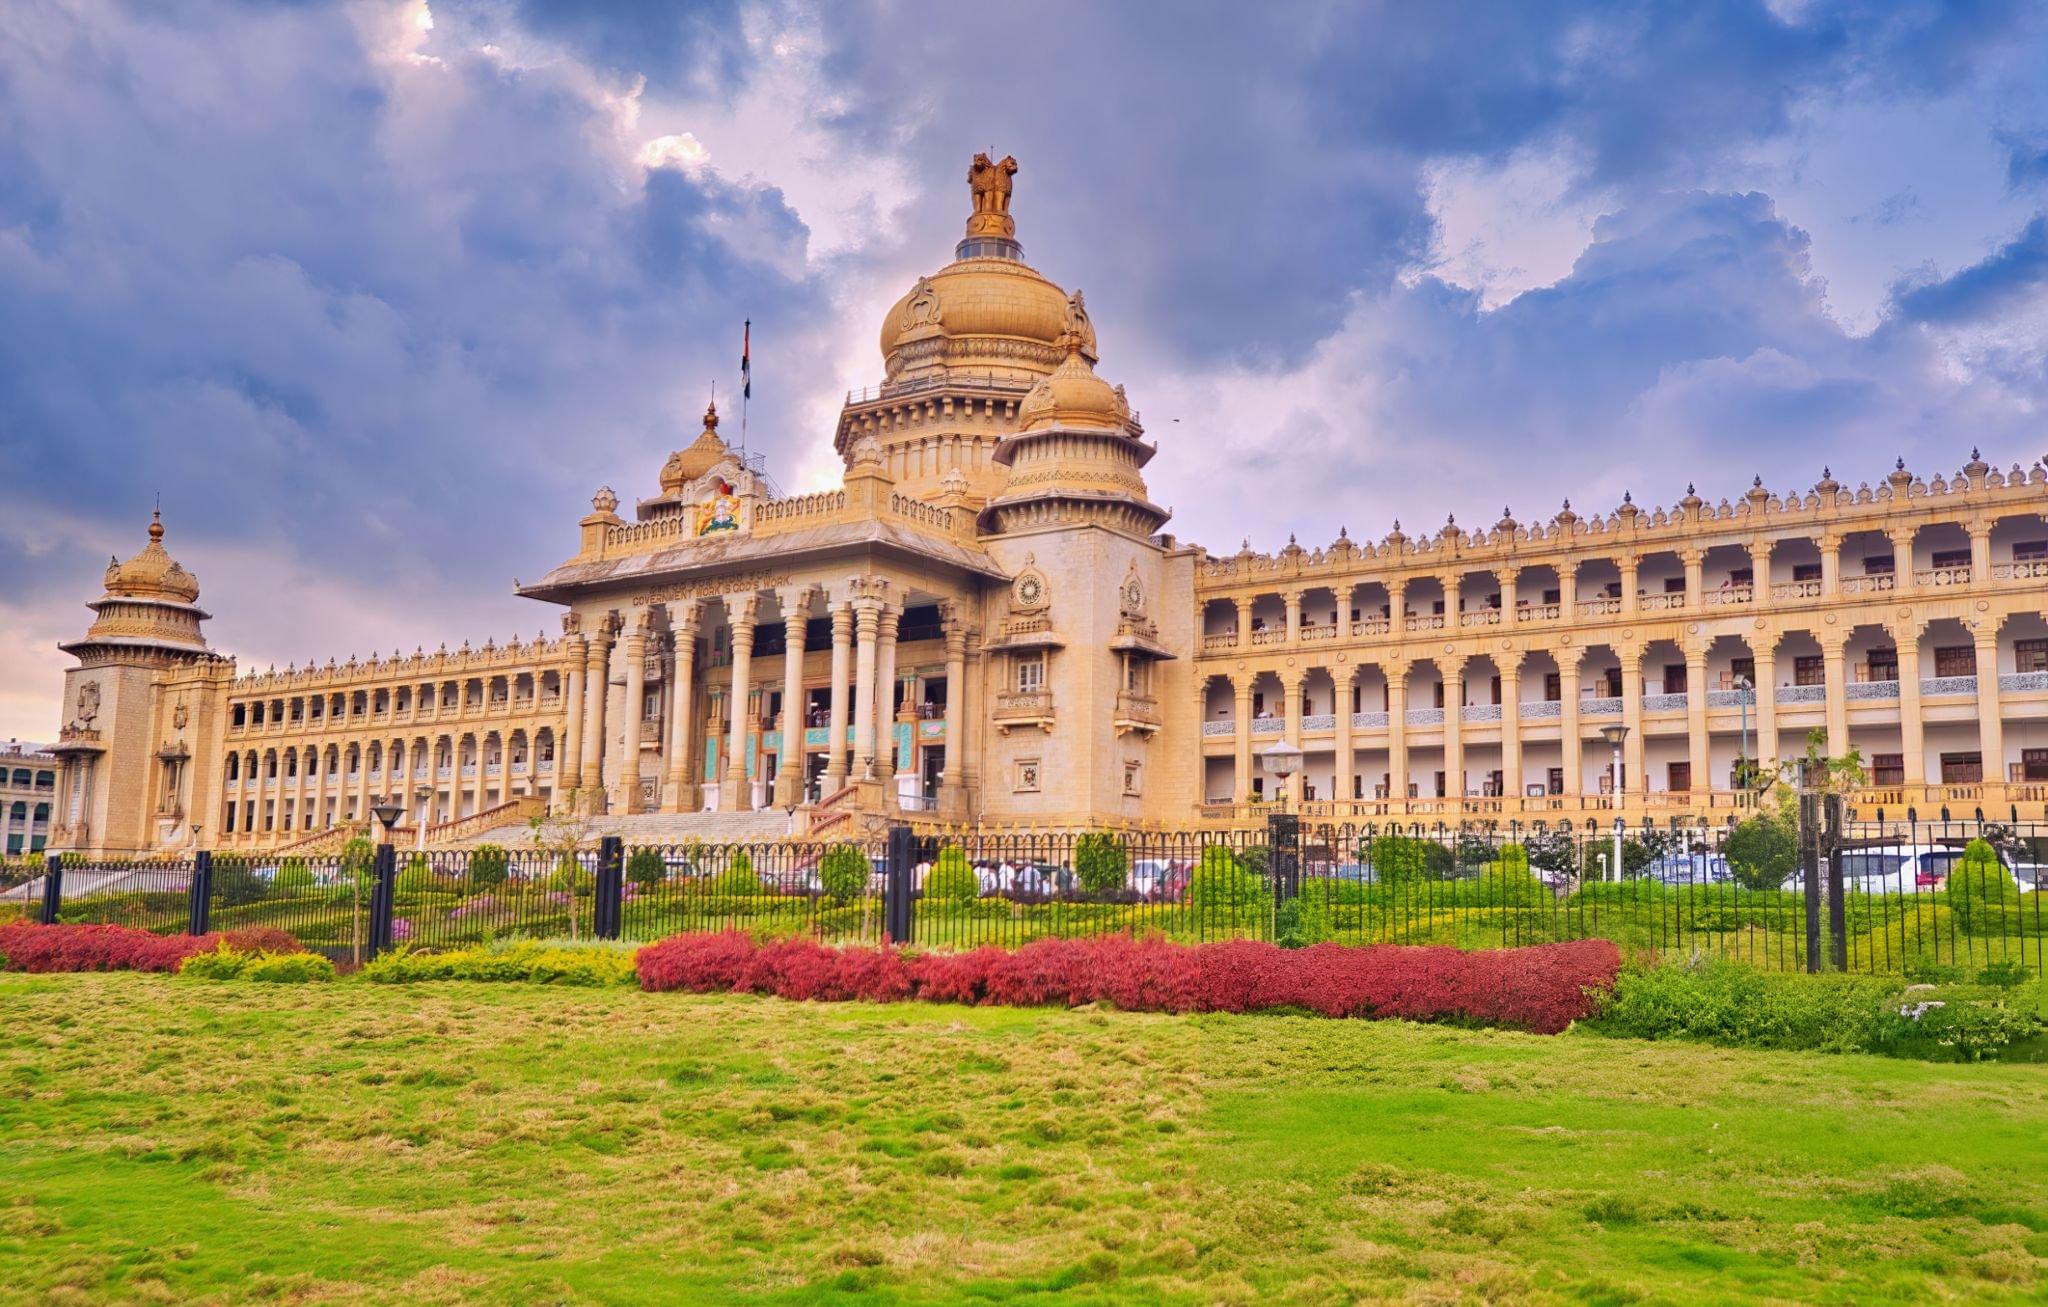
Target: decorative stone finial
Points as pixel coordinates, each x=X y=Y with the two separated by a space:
x=606 y=500
x=989 y=183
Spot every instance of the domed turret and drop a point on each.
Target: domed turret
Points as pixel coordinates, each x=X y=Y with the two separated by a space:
x=703 y=454
x=151 y=603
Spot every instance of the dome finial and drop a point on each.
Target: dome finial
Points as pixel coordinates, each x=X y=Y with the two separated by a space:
x=989 y=182
x=156 y=524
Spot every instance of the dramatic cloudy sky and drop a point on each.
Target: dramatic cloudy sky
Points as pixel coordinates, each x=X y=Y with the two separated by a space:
x=376 y=294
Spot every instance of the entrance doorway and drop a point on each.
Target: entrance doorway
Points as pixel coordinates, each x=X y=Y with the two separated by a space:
x=931 y=773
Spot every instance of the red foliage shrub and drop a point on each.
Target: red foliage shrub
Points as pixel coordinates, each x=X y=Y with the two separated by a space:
x=27 y=947
x=1544 y=988
x=262 y=939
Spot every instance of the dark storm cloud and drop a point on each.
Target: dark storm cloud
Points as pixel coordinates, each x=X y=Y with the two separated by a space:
x=2014 y=274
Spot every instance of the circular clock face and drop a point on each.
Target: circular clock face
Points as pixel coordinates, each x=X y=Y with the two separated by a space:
x=1029 y=589
x=1132 y=595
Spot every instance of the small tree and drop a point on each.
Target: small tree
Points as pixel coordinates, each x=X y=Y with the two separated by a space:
x=646 y=868
x=1100 y=860
x=1762 y=851
x=1980 y=891
x=417 y=876
x=1223 y=889
x=1507 y=880
x=844 y=872
x=951 y=879
x=739 y=877
x=558 y=834
x=488 y=865
x=358 y=866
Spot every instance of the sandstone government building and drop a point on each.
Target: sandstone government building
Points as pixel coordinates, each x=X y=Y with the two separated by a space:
x=986 y=622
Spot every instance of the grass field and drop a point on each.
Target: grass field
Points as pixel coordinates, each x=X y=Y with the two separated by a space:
x=165 y=1139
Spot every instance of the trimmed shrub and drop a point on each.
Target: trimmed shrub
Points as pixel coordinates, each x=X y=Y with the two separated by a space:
x=843 y=871
x=488 y=866
x=292 y=875
x=262 y=939
x=645 y=868
x=1222 y=889
x=417 y=876
x=1762 y=851
x=572 y=877
x=1543 y=988
x=218 y=963
x=1727 y=1003
x=952 y=880
x=1397 y=860
x=27 y=947
x=289 y=969
x=1981 y=892
x=534 y=962
x=1304 y=919
x=739 y=878
x=1100 y=861
x=235 y=882
x=1508 y=882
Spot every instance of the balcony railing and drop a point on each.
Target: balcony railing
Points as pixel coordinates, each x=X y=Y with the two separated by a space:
x=1023 y=707
x=1868 y=583
x=1268 y=725
x=1270 y=635
x=1542 y=710
x=1795 y=590
x=1319 y=723
x=1370 y=721
x=1424 y=622
x=1537 y=612
x=1942 y=577
x=1323 y=631
x=1658 y=603
x=1480 y=617
x=1425 y=717
x=1802 y=694
x=1480 y=712
x=2023 y=682
x=1666 y=702
x=1729 y=596
x=1226 y=726
x=1599 y=607
x=1600 y=705
x=1938 y=686
x=1372 y=626
x=1218 y=643
x=1872 y=691
x=2030 y=570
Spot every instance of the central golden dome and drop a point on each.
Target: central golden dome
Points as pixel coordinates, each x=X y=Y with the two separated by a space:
x=988 y=311
x=153 y=573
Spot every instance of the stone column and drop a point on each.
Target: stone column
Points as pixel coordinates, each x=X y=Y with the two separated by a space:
x=1980 y=560
x=734 y=795
x=1397 y=731
x=635 y=713
x=1571 y=744
x=1699 y=758
x=1835 y=670
x=789 y=778
x=1912 y=735
x=1830 y=564
x=1454 y=726
x=1397 y=607
x=953 y=789
x=1902 y=558
x=1694 y=560
x=1765 y=709
x=596 y=689
x=886 y=762
x=683 y=764
x=1509 y=580
x=1990 y=726
x=842 y=658
x=1630 y=565
x=867 y=618
x=1244 y=622
x=1632 y=717
x=569 y=748
x=476 y=788
x=1510 y=664
x=1290 y=690
x=1292 y=599
x=1241 y=685
x=975 y=713
x=1340 y=779
x=1568 y=589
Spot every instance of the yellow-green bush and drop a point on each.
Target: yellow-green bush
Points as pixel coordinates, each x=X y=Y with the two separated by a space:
x=224 y=963
x=532 y=962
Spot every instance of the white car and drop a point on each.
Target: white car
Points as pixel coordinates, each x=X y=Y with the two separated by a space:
x=1897 y=868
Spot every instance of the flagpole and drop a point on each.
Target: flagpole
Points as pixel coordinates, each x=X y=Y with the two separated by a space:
x=746 y=381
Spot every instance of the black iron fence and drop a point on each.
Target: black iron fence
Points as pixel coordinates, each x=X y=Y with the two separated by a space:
x=1814 y=891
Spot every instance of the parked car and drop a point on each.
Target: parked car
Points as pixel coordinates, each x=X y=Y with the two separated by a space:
x=1897 y=868
x=1689 y=869
x=2030 y=875
x=1147 y=873
x=1172 y=887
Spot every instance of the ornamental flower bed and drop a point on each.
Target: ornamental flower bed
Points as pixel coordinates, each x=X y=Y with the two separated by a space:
x=28 y=947
x=1544 y=988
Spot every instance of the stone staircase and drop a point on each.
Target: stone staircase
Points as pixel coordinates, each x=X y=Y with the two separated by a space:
x=656 y=828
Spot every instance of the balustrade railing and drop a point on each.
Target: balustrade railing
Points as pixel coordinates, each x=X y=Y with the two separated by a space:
x=1869 y=583
x=1795 y=590
x=1936 y=686
x=1942 y=577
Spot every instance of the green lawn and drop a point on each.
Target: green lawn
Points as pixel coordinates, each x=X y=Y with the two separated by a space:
x=164 y=1139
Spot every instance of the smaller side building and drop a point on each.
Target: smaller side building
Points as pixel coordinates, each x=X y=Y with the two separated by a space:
x=28 y=791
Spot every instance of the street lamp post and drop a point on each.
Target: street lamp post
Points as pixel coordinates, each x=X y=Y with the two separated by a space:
x=1281 y=761
x=387 y=811
x=1614 y=735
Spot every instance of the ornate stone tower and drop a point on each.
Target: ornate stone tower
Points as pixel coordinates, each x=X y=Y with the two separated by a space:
x=961 y=349
x=127 y=761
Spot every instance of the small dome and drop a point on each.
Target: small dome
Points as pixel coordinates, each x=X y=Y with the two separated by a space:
x=153 y=573
x=1073 y=396
x=703 y=454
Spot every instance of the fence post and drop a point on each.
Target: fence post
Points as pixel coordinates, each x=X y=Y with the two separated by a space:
x=1809 y=862
x=53 y=888
x=611 y=886
x=384 y=888
x=1283 y=841
x=1831 y=850
x=897 y=887
x=201 y=893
